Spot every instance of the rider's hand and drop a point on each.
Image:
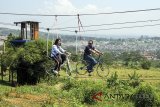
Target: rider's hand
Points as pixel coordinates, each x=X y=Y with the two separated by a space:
x=97 y=53
x=101 y=53
x=68 y=53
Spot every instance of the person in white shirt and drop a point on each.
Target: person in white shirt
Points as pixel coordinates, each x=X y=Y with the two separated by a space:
x=58 y=54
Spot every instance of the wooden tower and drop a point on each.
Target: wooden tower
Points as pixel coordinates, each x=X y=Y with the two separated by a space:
x=33 y=31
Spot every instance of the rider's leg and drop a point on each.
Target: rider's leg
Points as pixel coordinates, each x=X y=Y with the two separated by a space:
x=57 y=65
x=63 y=57
x=60 y=62
x=91 y=63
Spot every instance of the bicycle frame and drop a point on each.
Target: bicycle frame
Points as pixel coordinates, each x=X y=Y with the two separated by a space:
x=98 y=59
x=66 y=65
x=100 y=68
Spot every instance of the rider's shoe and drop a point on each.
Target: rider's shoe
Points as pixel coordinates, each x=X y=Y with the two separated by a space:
x=89 y=71
x=62 y=64
x=89 y=74
x=54 y=71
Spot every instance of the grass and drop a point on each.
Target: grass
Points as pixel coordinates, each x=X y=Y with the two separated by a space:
x=54 y=95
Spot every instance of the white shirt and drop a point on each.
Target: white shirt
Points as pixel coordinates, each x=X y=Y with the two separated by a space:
x=56 y=50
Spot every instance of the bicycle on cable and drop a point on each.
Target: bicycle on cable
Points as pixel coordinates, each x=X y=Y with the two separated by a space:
x=50 y=67
x=60 y=58
x=88 y=62
x=101 y=68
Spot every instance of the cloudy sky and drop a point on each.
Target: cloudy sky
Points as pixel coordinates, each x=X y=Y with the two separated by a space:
x=60 y=7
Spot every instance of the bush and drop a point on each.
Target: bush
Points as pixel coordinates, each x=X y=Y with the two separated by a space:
x=29 y=62
x=134 y=79
x=69 y=84
x=144 y=97
x=132 y=59
x=75 y=57
x=88 y=93
x=146 y=64
x=83 y=90
x=113 y=80
x=108 y=58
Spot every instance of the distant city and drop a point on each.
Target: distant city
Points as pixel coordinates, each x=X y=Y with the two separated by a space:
x=147 y=45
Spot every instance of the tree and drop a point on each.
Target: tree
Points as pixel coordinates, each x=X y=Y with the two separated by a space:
x=132 y=59
x=158 y=54
x=28 y=61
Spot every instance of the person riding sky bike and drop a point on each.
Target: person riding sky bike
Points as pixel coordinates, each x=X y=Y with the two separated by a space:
x=58 y=54
x=89 y=49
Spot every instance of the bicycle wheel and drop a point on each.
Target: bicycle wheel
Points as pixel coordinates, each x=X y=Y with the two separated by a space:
x=102 y=70
x=81 y=67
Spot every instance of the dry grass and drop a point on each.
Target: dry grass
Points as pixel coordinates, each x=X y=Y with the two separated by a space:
x=25 y=100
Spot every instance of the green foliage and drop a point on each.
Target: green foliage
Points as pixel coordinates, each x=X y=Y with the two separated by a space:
x=84 y=93
x=69 y=84
x=158 y=54
x=75 y=57
x=134 y=79
x=132 y=59
x=119 y=86
x=144 y=97
x=146 y=64
x=27 y=61
x=88 y=93
x=108 y=58
x=155 y=64
x=11 y=37
x=113 y=80
x=82 y=90
x=8 y=59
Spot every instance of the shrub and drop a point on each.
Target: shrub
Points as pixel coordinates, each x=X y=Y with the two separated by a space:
x=134 y=79
x=146 y=64
x=69 y=84
x=113 y=80
x=144 y=97
x=84 y=90
x=29 y=62
x=75 y=57
x=108 y=58
x=88 y=93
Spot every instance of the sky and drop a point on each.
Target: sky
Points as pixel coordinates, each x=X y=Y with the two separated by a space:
x=60 y=7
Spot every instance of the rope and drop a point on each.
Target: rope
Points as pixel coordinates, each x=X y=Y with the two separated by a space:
x=51 y=15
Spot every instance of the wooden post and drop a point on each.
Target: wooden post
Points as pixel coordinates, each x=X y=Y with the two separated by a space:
x=12 y=76
x=9 y=75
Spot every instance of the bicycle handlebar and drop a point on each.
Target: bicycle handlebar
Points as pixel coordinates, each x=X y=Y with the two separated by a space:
x=99 y=56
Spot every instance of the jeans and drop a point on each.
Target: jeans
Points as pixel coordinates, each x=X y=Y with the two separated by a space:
x=63 y=58
x=91 y=62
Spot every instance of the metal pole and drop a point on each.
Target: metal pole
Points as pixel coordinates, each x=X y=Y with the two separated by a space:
x=4 y=47
x=47 y=40
x=76 y=40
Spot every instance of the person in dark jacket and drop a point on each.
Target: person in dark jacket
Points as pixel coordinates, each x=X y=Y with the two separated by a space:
x=89 y=49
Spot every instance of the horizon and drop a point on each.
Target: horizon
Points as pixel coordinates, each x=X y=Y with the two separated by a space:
x=114 y=36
